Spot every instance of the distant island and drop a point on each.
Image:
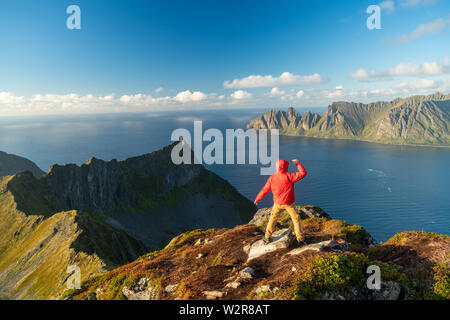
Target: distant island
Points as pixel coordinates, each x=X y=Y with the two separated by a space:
x=416 y=120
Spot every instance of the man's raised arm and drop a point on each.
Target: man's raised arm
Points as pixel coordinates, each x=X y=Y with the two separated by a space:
x=297 y=175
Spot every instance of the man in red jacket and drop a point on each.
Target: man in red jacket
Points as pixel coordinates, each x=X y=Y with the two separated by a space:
x=282 y=185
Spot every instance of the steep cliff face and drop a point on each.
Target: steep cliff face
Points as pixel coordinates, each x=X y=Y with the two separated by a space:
x=423 y=121
x=12 y=164
x=148 y=196
x=414 y=120
x=103 y=214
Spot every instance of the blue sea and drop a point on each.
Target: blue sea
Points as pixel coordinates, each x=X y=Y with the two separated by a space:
x=387 y=189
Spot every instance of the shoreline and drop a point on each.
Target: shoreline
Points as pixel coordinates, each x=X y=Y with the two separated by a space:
x=370 y=141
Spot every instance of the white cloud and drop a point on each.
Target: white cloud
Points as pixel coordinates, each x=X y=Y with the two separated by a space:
x=187 y=96
x=323 y=97
x=8 y=97
x=276 y=92
x=424 y=29
x=72 y=103
x=335 y=93
x=11 y=104
x=300 y=94
x=158 y=90
x=405 y=70
x=387 y=6
x=360 y=74
x=241 y=95
x=285 y=79
x=418 y=85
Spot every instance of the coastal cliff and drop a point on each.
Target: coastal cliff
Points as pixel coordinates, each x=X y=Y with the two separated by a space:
x=421 y=120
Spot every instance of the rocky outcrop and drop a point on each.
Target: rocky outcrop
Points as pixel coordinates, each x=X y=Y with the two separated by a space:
x=421 y=120
x=330 y=245
x=235 y=264
x=11 y=164
x=262 y=216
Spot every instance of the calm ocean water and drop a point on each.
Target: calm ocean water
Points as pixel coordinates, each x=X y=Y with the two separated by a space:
x=387 y=189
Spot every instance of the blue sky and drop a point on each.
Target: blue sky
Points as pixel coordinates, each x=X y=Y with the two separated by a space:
x=159 y=55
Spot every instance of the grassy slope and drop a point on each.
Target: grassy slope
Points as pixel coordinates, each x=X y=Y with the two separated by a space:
x=35 y=249
x=316 y=272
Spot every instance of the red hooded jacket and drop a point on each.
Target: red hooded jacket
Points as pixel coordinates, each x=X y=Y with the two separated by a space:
x=282 y=183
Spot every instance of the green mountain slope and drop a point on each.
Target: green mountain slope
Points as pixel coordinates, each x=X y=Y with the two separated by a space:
x=36 y=249
x=423 y=120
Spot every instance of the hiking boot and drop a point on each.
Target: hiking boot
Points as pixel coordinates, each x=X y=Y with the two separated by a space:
x=301 y=243
x=266 y=240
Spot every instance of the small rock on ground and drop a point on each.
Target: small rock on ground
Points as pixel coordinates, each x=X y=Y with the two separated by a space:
x=171 y=288
x=247 y=273
x=212 y=295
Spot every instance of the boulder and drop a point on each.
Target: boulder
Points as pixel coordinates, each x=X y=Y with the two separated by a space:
x=389 y=290
x=330 y=245
x=312 y=212
x=262 y=291
x=262 y=216
x=266 y=288
x=143 y=290
x=247 y=273
x=279 y=240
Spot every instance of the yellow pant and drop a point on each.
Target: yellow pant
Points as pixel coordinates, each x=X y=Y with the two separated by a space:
x=291 y=209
